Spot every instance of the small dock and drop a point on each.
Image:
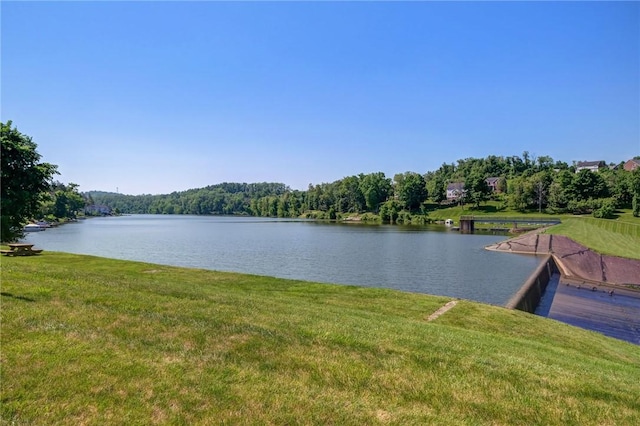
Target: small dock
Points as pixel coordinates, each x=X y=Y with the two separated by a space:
x=467 y=223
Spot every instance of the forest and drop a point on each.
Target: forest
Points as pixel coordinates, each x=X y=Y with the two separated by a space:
x=522 y=183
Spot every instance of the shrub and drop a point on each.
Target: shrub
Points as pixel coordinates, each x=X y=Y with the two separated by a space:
x=606 y=209
x=581 y=206
x=370 y=217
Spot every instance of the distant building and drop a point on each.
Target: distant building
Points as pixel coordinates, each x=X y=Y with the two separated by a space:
x=632 y=164
x=455 y=190
x=594 y=166
x=492 y=182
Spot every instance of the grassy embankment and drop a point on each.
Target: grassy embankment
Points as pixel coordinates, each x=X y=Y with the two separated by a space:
x=616 y=238
x=87 y=340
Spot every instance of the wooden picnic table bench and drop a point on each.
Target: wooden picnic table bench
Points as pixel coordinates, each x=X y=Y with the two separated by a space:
x=21 y=249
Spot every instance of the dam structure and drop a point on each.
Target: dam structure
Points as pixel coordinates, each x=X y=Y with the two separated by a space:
x=579 y=287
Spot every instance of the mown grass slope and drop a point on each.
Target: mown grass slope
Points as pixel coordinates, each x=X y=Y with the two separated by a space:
x=613 y=237
x=95 y=341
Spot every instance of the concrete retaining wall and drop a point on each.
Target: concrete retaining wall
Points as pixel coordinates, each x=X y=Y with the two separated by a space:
x=528 y=297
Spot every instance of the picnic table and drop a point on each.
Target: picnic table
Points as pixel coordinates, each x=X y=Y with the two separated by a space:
x=21 y=249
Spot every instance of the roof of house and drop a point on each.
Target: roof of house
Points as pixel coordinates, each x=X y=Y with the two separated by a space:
x=455 y=186
x=491 y=180
x=590 y=163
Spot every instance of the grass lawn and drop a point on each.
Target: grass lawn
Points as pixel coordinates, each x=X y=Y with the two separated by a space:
x=617 y=238
x=95 y=341
x=489 y=208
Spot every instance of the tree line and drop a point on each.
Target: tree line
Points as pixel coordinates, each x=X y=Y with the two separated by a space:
x=523 y=183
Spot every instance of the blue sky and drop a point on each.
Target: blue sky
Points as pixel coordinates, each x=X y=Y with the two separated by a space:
x=155 y=97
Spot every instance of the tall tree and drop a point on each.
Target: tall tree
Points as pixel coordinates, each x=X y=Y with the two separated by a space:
x=436 y=186
x=410 y=188
x=476 y=188
x=540 y=183
x=520 y=193
x=560 y=191
x=587 y=184
x=376 y=188
x=635 y=190
x=25 y=180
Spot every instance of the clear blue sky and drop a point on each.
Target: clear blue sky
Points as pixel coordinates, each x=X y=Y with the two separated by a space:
x=155 y=97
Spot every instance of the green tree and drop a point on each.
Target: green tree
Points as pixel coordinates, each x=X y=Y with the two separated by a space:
x=560 y=191
x=389 y=211
x=587 y=184
x=635 y=190
x=25 y=181
x=350 y=197
x=520 y=193
x=540 y=183
x=502 y=184
x=476 y=188
x=376 y=188
x=436 y=186
x=410 y=188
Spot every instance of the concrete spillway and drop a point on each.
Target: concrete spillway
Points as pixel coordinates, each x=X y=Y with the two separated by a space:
x=578 y=286
x=614 y=314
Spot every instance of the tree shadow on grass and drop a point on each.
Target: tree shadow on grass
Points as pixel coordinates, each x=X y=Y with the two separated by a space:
x=486 y=209
x=26 y=299
x=616 y=214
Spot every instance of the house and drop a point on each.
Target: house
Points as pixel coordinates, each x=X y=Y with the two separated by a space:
x=492 y=182
x=632 y=164
x=594 y=166
x=455 y=191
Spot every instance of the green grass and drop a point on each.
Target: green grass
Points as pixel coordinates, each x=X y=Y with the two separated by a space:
x=490 y=208
x=613 y=237
x=94 y=341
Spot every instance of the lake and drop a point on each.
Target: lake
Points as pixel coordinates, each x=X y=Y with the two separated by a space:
x=426 y=259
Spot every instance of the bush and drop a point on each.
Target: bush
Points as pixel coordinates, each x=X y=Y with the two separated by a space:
x=606 y=210
x=420 y=219
x=370 y=217
x=582 y=206
x=403 y=218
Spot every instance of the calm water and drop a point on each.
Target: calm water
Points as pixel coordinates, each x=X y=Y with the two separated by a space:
x=422 y=260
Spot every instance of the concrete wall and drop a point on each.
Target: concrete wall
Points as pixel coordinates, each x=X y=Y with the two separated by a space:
x=528 y=297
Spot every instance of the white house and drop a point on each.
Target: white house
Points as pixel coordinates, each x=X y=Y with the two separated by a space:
x=455 y=190
x=594 y=166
